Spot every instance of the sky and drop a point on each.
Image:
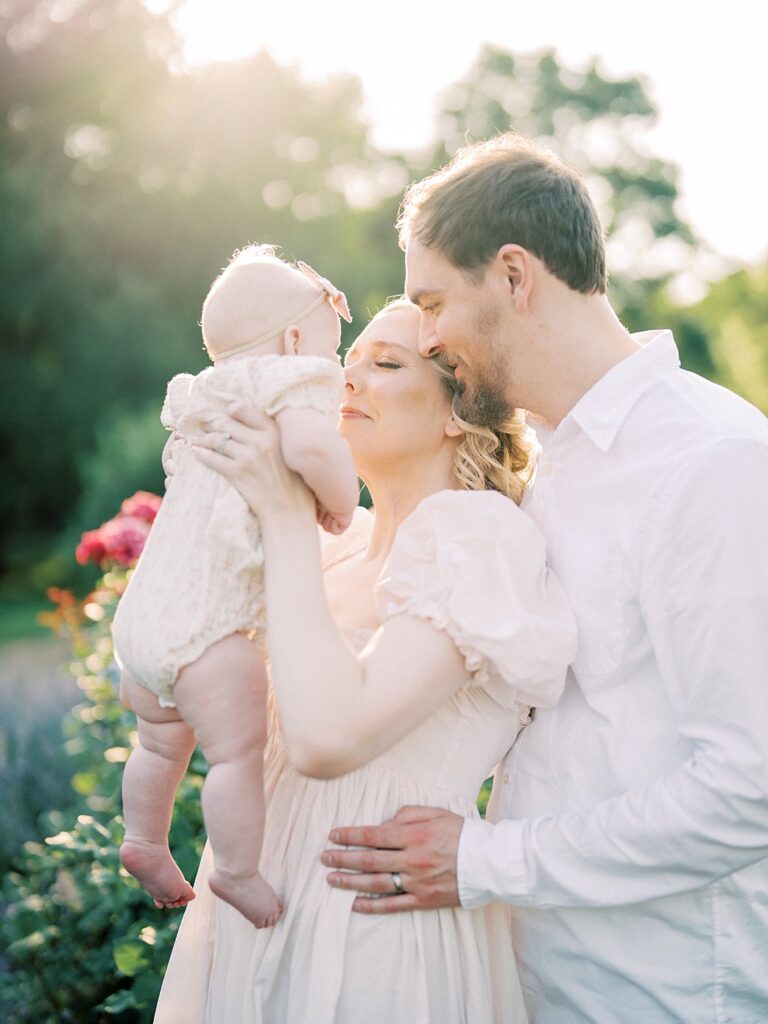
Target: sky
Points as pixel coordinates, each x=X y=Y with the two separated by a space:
x=704 y=65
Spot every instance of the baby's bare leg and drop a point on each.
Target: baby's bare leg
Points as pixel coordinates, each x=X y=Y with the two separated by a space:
x=150 y=780
x=223 y=697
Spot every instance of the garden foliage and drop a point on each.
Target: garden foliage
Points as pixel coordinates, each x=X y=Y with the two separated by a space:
x=82 y=939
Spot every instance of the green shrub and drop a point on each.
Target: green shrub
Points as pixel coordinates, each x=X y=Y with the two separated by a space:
x=83 y=942
x=126 y=458
x=34 y=768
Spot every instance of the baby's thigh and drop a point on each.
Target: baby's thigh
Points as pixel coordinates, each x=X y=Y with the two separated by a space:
x=143 y=702
x=222 y=696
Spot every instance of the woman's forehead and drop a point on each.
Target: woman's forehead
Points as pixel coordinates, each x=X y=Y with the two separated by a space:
x=397 y=327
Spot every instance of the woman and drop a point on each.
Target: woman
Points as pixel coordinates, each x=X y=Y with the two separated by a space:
x=403 y=671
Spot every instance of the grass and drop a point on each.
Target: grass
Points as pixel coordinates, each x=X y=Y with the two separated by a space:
x=18 y=617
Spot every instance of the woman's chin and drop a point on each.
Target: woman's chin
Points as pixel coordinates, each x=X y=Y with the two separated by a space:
x=352 y=429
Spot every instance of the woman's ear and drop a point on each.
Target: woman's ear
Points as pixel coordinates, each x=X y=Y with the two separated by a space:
x=291 y=340
x=452 y=428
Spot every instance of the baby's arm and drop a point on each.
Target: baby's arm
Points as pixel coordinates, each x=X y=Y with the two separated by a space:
x=312 y=448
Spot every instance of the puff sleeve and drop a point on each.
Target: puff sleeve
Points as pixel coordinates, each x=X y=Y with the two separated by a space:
x=176 y=397
x=474 y=565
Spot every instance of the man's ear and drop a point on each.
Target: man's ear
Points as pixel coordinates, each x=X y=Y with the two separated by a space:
x=452 y=428
x=291 y=340
x=517 y=267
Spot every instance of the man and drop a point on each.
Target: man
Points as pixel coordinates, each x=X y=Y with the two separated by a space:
x=631 y=828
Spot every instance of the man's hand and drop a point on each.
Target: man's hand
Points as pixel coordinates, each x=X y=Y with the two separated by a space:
x=419 y=846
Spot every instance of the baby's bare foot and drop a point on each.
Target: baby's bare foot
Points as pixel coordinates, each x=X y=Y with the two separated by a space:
x=153 y=865
x=251 y=895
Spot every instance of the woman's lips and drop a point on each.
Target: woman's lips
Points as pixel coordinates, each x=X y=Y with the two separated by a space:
x=348 y=413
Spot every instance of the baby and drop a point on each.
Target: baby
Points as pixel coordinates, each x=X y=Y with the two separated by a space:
x=183 y=629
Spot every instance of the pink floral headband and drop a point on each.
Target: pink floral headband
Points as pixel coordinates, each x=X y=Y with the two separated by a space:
x=337 y=299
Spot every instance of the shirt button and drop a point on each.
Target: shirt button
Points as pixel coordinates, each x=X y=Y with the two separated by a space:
x=505 y=778
x=525 y=716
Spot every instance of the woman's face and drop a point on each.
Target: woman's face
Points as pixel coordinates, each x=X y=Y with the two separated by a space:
x=396 y=407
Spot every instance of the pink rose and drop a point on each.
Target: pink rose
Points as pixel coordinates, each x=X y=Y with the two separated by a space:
x=124 y=538
x=144 y=505
x=91 y=548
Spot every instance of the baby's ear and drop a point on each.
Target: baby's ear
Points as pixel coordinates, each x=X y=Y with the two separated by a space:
x=291 y=340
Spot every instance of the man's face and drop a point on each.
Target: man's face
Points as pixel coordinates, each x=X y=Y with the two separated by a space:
x=468 y=322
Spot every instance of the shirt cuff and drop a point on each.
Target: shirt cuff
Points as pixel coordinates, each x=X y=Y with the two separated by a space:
x=490 y=863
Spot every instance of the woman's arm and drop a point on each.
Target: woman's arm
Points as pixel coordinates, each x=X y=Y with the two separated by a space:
x=338 y=709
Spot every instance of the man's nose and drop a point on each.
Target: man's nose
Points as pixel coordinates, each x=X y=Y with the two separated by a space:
x=429 y=345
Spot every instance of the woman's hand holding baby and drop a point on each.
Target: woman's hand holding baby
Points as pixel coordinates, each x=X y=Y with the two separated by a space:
x=244 y=446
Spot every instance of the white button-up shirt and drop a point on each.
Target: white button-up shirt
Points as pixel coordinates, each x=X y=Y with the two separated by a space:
x=632 y=819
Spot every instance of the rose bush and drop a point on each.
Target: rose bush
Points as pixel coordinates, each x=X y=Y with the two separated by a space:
x=82 y=939
x=121 y=540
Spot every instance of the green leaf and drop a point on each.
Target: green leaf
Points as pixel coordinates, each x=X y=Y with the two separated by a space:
x=130 y=957
x=119 y=1001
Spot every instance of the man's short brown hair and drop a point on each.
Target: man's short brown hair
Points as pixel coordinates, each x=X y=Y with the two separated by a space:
x=506 y=190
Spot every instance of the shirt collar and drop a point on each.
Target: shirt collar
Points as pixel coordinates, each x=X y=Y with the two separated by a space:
x=601 y=412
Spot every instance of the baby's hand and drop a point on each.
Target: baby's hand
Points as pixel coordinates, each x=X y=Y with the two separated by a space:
x=333 y=522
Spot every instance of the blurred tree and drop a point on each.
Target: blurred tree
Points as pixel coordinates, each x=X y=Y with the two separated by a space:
x=724 y=335
x=78 y=323
x=733 y=317
x=126 y=182
x=736 y=311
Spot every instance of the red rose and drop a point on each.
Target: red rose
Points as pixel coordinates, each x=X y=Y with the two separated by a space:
x=144 y=505
x=91 y=548
x=124 y=538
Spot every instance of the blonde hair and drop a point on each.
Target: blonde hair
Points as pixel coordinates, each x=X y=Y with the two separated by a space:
x=499 y=459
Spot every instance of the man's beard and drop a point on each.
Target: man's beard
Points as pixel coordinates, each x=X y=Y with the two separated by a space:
x=483 y=403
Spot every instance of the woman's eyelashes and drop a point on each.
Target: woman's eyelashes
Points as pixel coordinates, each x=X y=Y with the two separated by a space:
x=388 y=364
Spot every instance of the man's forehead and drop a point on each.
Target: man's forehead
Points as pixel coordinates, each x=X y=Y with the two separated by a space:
x=420 y=280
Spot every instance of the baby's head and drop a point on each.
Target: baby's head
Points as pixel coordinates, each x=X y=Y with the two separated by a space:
x=260 y=305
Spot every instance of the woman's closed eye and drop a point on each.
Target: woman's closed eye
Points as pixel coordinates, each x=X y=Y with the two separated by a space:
x=389 y=364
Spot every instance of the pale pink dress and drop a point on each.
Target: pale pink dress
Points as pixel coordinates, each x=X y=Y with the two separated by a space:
x=473 y=564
